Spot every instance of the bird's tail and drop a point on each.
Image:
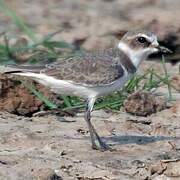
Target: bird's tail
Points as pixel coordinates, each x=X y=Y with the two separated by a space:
x=12 y=69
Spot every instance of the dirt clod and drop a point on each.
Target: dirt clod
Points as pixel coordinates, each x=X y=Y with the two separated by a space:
x=175 y=109
x=17 y=99
x=144 y=103
x=175 y=81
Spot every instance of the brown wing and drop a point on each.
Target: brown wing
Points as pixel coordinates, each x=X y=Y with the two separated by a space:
x=100 y=68
x=88 y=69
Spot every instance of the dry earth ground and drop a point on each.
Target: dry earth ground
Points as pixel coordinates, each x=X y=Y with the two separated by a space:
x=53 y=147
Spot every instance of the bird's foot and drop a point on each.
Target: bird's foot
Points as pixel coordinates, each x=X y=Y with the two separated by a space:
x=100 y=145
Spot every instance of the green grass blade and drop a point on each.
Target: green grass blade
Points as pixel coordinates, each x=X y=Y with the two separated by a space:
x=66 y=101
x=57 y=44
x=48 y=103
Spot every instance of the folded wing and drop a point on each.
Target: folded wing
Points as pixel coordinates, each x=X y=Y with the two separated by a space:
x=89 y=69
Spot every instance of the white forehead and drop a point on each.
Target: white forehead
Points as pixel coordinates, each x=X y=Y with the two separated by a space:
x=152 y=37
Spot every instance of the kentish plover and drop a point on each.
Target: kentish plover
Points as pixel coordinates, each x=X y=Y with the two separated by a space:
x=92 y=75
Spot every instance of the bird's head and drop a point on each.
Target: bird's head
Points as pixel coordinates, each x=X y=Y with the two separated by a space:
x=138 y=45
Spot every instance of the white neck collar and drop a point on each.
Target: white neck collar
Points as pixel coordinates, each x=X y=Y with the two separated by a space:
x=135 y=56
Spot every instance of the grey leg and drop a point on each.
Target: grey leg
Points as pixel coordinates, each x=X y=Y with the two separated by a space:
x=97 y=143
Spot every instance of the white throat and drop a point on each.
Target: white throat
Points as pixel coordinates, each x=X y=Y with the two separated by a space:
x=135 y=56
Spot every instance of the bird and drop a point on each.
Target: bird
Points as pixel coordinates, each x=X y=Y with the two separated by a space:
x=92 y=75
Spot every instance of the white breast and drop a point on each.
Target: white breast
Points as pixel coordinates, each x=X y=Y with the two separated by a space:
x=115 y=86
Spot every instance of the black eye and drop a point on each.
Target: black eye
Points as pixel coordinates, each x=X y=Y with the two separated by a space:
x=142 y=39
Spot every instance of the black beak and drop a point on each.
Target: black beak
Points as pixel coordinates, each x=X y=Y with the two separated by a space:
x=163 y=49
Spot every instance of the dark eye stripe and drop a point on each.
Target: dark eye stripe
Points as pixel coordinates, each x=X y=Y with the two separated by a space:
x=142 y=40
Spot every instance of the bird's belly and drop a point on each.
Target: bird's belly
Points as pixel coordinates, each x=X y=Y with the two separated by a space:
x=115 y=86
x=73 y=89
x=68 y=88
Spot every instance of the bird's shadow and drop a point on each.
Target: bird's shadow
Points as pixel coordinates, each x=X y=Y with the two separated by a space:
x=135 y=139
x=131 y=139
